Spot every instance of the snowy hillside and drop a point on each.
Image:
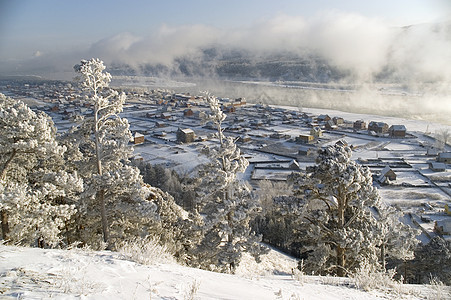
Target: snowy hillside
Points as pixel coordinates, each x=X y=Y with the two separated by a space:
x=30 y=273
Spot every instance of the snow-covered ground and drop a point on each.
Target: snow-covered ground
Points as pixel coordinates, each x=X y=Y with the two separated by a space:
x=31 y=273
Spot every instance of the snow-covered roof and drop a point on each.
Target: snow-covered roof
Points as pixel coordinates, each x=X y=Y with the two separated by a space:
x=386 y=170
x=437 y=166
x=398 y=128
x=187 y=130
x=445 y=155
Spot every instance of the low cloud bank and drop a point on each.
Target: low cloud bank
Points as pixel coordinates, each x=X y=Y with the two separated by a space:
x=367 y=50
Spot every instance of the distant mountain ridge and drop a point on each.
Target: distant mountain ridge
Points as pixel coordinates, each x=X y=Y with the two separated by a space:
x=407 y=58
x=240 y=64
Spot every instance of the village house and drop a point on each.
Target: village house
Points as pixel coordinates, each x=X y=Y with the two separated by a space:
x=305 y=139
x=330 y=125
x=278 y=136
x=244 y=139
x=185 y=135
x=294 y=165
x=397 y=131
x=138 y=138
x=316 y=132
x=342 y=143
x=359 y=125
x=323 y=118
x=165 y=116
x=307 y=151
x=386 y=175
x=150 y=115
x=188 y=112
x=160 y=124
x=437 y=166
x=444 y=157
x=378 y=127
x=338 y=121
x=431 y=151
x=160 y=134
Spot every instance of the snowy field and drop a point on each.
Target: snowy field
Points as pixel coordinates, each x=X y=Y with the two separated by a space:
x=31 y=273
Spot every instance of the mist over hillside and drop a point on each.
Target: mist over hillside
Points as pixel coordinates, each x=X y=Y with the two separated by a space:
x=345 y=63
x=241 y=64
x=412 y=56
x=334 y=60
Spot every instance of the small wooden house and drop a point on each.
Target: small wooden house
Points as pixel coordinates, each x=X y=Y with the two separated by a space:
x=160 y=124
x=437 y=166
x=387 y=174
x=338 y=120
x=323 y=118
x=359 y=125
x=185 y=135
x=330 y=125
x=342 y=143
x=378 y=127
x=307 y=150
x=316 y=132
x=397 y=131
x=294 y=165
x=244 y=139
x=188 y=112
x=138 y=138
x=165 y=115
x=305 y=139
x=444 y=157
x=431 y=151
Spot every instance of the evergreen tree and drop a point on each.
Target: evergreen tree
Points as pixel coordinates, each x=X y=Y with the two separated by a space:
x=225 y=205
x=38 y=195
x=113 y=189
x=342 y=216
x=433 y=261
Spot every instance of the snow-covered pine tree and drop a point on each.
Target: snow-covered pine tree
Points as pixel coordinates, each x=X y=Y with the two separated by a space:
x=37 y=194
x=343 y=219
x=225 y=205
x=398 y=240
x=432 y=262
x=113 y=189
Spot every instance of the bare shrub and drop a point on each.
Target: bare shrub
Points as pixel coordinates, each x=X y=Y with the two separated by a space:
x=191 y=290
x=146 y=251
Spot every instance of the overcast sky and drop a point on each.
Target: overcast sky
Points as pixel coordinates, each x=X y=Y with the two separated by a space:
x=30 y=27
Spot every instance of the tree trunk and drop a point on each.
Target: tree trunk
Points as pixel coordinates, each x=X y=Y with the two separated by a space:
x=341 y=261
x=5 y=225
x=383 y=255
x=5 y=165
x=100 y=193
x=105 y=231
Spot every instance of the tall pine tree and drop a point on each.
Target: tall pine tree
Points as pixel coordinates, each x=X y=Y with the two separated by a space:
x=225 y=204
x=100 y=146
x=343 y=221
